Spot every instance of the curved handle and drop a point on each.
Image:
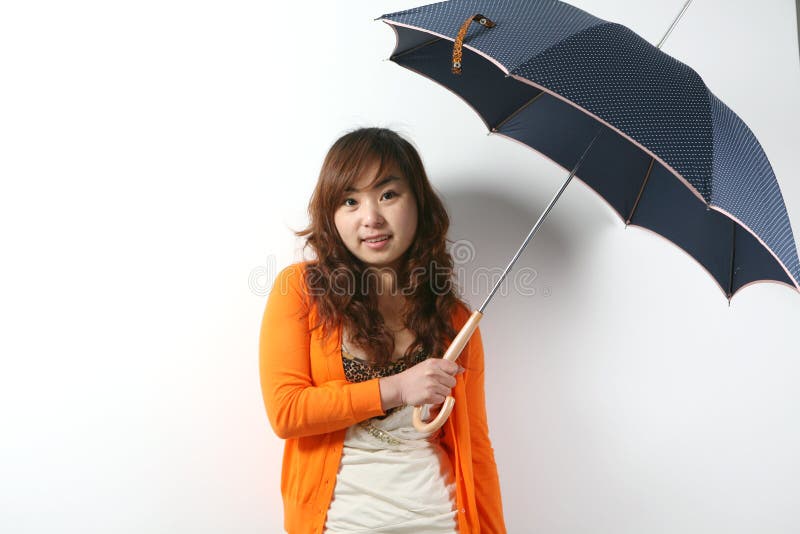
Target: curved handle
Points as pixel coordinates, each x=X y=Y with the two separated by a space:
x=480 y=19
x=437 y=423
x=453 y=351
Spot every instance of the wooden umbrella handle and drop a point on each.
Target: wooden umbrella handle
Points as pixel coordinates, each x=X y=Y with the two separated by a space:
x=453 y=351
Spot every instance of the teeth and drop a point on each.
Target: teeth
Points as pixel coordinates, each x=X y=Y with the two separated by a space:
x=377 y=240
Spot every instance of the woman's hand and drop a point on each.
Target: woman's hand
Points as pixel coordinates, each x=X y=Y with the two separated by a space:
x=428 y=382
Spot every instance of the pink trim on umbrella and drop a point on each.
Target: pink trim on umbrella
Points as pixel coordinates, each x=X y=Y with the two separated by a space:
x=488 y=58
x=615 y=212
x=740 y=223
x=621 y=133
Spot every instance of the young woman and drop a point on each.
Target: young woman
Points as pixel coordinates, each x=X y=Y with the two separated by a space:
x=351 y=341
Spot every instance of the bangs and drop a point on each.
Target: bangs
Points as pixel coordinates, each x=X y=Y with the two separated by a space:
x=353 y=168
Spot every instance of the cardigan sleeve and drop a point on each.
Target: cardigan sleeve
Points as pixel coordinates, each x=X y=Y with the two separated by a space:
x=487 y=483
x=295 y=405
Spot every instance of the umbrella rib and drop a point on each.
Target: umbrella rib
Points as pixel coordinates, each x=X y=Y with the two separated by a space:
x=641 y=190
x=415 y=48
x=733 y=255
x=515 y=113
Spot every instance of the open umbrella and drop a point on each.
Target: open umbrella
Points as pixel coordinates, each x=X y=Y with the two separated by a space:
x=643 y=129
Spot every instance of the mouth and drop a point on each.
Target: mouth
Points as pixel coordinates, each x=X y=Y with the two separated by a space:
x=377 y=239
x=377 y=243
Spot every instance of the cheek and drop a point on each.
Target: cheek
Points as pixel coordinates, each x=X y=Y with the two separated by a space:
x=340 y=222
x=413 y=216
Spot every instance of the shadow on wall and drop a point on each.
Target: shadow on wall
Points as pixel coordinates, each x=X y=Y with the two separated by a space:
x=529 y=364
x=488 y=225
x=545 y=289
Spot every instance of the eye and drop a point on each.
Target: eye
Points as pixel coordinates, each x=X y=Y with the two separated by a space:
x=348 y=199
x=392 y=193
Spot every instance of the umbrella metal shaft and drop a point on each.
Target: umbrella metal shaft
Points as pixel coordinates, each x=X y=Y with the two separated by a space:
x=541 y=219
x=566 y=183
x=674 y=23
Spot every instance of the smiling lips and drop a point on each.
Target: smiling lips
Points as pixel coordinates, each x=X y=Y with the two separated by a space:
x=380 y=243
x=376 y=238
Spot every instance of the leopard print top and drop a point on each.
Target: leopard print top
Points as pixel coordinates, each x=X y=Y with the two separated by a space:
x=358 y=370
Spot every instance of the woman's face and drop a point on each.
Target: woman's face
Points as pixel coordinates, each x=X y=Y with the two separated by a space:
x=386 y=209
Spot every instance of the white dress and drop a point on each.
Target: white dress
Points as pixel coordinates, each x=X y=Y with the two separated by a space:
x=392 y=478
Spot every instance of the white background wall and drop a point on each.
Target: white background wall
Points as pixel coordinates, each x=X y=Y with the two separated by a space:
x=154 y=156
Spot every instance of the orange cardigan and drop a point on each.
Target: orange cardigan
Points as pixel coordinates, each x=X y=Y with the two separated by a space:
x=310 y=404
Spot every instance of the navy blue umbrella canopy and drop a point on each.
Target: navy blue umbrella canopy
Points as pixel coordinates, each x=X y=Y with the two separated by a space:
x=672 y=158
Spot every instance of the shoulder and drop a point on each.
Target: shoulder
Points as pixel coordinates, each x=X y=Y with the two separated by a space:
x=460 y=314
x=471 y=356
x=291 y=282
x=294 y=273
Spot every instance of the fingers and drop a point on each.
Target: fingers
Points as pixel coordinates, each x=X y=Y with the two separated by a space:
x=446 y=366
x=444 y=372
x=442 y=390
x=451 y=368
x=448 y=381
x=440 y=387
x=437 y=400
x=440 y=395
x=430 y=382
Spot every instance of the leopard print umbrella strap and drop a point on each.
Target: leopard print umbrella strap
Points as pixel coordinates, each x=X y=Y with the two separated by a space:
x=480 y=19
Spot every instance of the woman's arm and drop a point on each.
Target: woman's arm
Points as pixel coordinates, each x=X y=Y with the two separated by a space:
x=295 y=405
x=487 y=484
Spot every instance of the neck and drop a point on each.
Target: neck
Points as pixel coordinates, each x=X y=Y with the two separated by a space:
x=382 y=280
x=387 y=284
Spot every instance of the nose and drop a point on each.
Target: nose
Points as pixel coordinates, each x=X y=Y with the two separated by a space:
x=372 y=214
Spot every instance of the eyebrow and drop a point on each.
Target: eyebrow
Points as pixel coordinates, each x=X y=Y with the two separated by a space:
x=380 y=184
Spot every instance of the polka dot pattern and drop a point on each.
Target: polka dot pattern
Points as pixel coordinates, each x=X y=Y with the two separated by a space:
x=652 y=98
x=518 y=35
x=745 y=186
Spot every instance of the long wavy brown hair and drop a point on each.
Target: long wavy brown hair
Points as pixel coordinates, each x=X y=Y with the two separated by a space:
x=340 y=283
